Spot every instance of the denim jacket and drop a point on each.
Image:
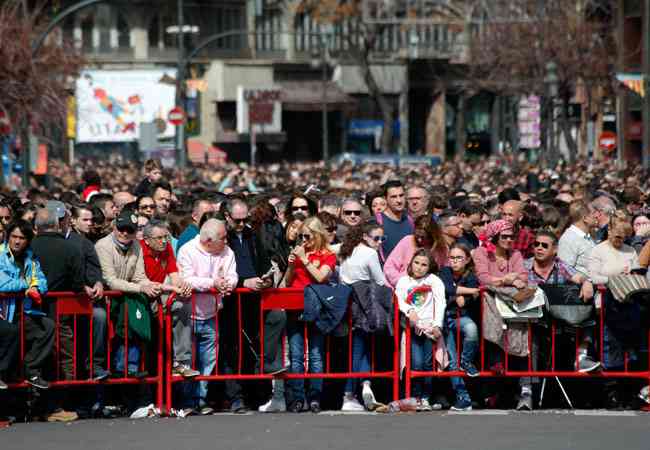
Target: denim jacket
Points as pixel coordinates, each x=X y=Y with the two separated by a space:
x=11 y=280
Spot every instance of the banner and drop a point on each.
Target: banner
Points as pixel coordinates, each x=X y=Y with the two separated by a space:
x=111 y=104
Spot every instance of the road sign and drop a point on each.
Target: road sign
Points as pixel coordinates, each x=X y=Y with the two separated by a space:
x=176 y=116
x=607 y=140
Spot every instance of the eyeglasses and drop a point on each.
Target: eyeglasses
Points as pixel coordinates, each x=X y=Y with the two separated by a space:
x=148 y=206
x=7 y=218
x=378 y=238
x=304 y=237
x=331 y=229
x=244 y=220
x=300 y=208
x=457 y=258
x=507 y=237
x=544 y=245
x=161 y=239
x=352 y=212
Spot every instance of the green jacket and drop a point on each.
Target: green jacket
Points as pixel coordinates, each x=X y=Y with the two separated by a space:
x=139 y=316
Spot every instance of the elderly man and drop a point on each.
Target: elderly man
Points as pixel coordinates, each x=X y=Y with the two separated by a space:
x=122 y=263
x=546 y=267
x=209 y=266
x=417 y=200
x=351 y=216
x=199 y=207
x=512 y=212
x=604 y=207
x=160 y=267
x=121 y=199
x=161 y=193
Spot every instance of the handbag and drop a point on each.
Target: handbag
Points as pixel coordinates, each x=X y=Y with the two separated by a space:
x=510 y=313
x=623 y=287
x=565 y=304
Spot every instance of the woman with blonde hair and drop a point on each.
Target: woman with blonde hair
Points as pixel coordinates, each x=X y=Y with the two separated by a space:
x=310 y=262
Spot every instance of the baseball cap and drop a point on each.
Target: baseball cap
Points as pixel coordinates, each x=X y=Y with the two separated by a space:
x=127 y=220
x=57 y=207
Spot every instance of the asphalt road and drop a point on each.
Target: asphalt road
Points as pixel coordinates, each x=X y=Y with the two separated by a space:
x=480 y=430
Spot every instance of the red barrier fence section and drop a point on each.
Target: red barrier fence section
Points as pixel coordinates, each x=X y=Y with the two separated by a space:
x=506 y=371
x=75 y=305
x=288 y=300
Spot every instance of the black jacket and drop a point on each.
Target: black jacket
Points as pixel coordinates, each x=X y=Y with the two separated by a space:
x=60 y=261
x=89 y=260
x=261 y=260
x=372 y=307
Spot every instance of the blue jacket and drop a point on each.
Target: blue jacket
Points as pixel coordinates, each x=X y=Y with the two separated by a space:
x=11 y=280
x=468 y=281
x=325 y=305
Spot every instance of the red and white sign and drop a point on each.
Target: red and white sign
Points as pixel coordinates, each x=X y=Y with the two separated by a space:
x=176 y=116
x=5 y=125
x=607 y=140
x=259 y=109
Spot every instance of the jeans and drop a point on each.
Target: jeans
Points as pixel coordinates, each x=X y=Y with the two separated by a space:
x=99 y=339
x=469 y=335
x=360 y=357
x=421 y=360
x=206 y=358
x=296 y=356
x=182 y=331
x=133 y=356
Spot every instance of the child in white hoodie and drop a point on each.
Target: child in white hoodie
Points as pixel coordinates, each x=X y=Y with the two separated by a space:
x=421 y=297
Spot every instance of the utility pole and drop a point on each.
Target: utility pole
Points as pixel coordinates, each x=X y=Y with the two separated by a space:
x=180 y=129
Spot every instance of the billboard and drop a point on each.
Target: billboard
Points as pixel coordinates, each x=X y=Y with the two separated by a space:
x=261 y=107
x=111 y=104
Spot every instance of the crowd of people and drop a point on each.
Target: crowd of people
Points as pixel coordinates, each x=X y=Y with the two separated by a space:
x=433 y=236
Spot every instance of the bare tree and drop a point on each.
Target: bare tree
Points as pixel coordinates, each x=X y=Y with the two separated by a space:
x=511 y=56
x=33 y=88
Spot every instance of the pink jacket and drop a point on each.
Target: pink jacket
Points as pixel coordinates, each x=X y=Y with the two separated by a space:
x=199 y=268
x=398 y=261
x=487 y=268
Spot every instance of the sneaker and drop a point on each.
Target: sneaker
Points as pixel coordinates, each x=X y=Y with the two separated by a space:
x=274 y=405
x=525 y=403
x=424 y=405
x=350 y=403
x=206 y=411
x=37 y=382
x=184 y=371
x=144 y=412
x=586 y=364
x=3 y=385
x=185 y=412
x=61 y=415
x=470 y=369
x=368 y=397
x=296 y=406
x=644 y=394
x=462 y=404
x=238 y=407
x=314 y=406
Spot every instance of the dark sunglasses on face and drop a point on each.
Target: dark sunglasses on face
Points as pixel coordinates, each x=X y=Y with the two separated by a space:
x=147 y=206
x=544 y=245
x=300 y=208
x=304 y=237
x=240 y=220
x=331 y=229
x=379 y=238
x=352 y=213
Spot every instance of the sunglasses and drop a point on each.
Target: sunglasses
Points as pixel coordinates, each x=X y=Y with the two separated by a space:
x=239 y=220
x=507 y=237
x=544 y=245
x=300 y=208
x=152 y=206
x=304 y=237
x=352 y=213
x=331 y=229
x=456 y=258
x=379 y=238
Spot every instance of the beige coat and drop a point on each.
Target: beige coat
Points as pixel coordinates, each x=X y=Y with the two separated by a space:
x=121 y=271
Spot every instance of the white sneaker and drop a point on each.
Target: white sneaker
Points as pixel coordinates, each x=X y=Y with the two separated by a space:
x=424 y=405
x=350 y=403
x=273 y=406
x=144 y=412
x=368 y=397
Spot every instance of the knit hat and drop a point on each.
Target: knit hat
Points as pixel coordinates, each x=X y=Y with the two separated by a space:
x=497 y=227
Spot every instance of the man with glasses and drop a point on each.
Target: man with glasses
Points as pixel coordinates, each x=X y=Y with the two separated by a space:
x=160 y=267
x=451 y=226
x=417 y=200
x=351 y=216
x=146 y=206
x=545 y=267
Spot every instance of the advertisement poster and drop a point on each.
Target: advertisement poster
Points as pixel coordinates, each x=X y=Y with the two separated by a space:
x=111 y=104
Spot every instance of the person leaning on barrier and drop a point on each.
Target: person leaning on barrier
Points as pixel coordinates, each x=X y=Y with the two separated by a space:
x=207 y=263
x=21 y=273
x=160 y=267
x=545 y=267
x=122 y=265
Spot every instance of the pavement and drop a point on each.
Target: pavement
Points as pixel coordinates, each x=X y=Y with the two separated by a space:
x=476 y=430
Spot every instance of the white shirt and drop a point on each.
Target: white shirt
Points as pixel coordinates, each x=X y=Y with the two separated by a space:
x=429 y=307
x=362 y=265
x=575 y=248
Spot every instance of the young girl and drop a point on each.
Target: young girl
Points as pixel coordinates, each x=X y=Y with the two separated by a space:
x=461 y=291
x=421 y=297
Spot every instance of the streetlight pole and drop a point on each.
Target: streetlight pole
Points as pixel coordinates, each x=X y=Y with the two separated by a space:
x=326 y=144
x=180 y=129
x=551 y=81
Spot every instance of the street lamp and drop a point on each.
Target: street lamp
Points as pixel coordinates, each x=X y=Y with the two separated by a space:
x=323 y=60
x=551 y=82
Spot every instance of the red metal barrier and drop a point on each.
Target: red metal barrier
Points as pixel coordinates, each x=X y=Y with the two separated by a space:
x=507 y=372
x=290 y=300
x=78 y=304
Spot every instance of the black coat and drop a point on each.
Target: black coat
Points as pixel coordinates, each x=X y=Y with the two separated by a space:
x=261 y=260
x=89 y=259
x=372 y=307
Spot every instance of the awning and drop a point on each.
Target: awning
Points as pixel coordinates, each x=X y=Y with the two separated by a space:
x=633 y=81
x=199 y=153
x=308 y=96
